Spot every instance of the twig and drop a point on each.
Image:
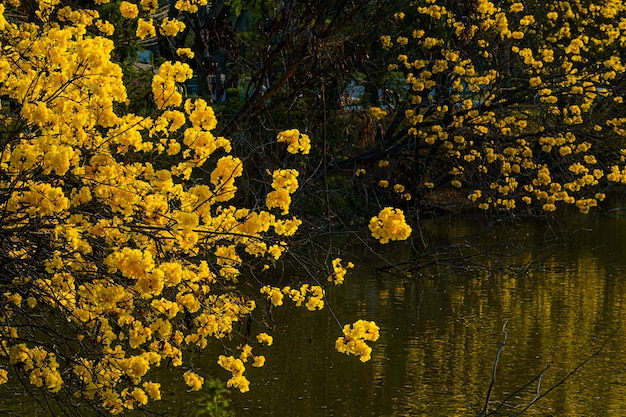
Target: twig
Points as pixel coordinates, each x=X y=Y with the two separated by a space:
x=569 y=375
x=537 y=378
x=495 y=368
x=538 y=395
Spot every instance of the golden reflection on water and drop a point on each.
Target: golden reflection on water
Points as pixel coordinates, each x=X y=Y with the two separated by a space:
x=440 y=332
x=442 y=326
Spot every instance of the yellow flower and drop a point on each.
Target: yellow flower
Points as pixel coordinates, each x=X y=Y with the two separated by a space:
x=185 y=52
x=3 y=21
x=237 y=368
x=265 y=338
x=273 y=294
x=386 y=42
x=150 y=5
x=190 y=6
x=4 y=376
x=140 y=396
x=201 y=115
x=278 y=199
x=135 y=367
x=164 y=83
x=285 y=179
x=105 y=27
x=287 y=227
x=171 y=27
x=315 y=300
x=193 y=380
x=339 y=272
x=240 y=382
x=246 y=352
x=276 y=250
x=223 y=177
x=377 y=112
x=389 y=225
x=129 y=10
x=145 y=29
x=153 y=389
x=354 y=337
x=231 y=364
x=475 y=195
x=296 y=141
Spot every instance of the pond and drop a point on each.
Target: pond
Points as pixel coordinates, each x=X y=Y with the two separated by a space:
x=562 y=301
x=559 y=288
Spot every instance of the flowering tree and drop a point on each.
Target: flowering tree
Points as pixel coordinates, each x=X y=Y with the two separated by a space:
x=510 y=105
x=121 y=241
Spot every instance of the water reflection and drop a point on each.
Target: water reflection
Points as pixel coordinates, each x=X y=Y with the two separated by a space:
x=441 y=328
x=440 y=332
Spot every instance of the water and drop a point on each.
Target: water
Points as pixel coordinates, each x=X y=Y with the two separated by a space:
x=560 y=289
x=561 y=300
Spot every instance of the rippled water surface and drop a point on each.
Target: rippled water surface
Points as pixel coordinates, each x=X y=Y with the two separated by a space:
x=442 y=326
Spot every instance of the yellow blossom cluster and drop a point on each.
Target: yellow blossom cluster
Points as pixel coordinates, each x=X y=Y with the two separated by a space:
x=284 y=183
x=339 y=271
x=171 y=27
x=353 y=341
x=4 y=376
x=390 y=224
x=236 y=367
x=311 y=296
x=540 y=128
x=185 y=52
x=126 y=240
x=246 y=353
x=296 y=141
x=145 y=28
x=265 y=339
x=193 y=380
x=40 y=364
x=164 y=86
x=123 y=230
x=129 y=10
x=378 y=113
x=189 y=5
